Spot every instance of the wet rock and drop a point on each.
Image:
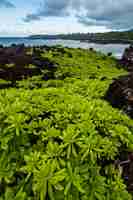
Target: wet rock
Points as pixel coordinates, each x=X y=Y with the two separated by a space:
x=109 y=54
x=127 y=59
x=127 y=171
x=120 y=93
x=91 y=49
x=16 y=59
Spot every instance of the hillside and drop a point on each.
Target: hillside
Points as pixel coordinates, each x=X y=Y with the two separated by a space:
x=60 y=139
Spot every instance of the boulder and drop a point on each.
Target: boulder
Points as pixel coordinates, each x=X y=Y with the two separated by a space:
x=120 y=94
x=127 y=59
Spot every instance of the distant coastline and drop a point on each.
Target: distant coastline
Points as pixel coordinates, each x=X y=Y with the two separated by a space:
x=125 y=37
x=90 y=40
x=97 y=41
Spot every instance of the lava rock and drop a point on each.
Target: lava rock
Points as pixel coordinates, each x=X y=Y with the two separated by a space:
x=120 y=94
x=127 y=59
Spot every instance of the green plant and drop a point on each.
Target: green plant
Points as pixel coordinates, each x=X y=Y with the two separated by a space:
x=54 y=137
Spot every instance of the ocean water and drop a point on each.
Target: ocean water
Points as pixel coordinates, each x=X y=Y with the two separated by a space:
x=116 y=49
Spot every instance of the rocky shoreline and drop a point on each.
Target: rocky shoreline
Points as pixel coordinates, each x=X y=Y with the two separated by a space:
x=16 y=59
x=20 y=63
x=120 y=92
x=120 y=95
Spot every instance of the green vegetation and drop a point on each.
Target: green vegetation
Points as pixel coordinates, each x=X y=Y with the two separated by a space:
x=59 y=138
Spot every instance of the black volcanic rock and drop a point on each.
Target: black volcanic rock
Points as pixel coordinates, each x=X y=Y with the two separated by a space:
x=127 y=59
x=15 y=62
x=120 y=93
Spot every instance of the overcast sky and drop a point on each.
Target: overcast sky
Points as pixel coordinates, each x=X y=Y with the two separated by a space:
x=24 y=17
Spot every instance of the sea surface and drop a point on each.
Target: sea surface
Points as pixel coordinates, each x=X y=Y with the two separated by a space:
x=116 y=49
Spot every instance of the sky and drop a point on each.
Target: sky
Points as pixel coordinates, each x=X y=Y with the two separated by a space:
x=26 y=17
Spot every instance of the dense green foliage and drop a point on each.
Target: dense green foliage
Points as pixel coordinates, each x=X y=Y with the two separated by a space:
x=55 y=135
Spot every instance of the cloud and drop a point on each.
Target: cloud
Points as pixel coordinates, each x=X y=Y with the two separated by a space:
x=6 y=3
x=50 y=8
x=116 y=14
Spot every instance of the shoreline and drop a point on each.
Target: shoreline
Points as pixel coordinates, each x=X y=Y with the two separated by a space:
x=115 y=48
x=104 y=42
